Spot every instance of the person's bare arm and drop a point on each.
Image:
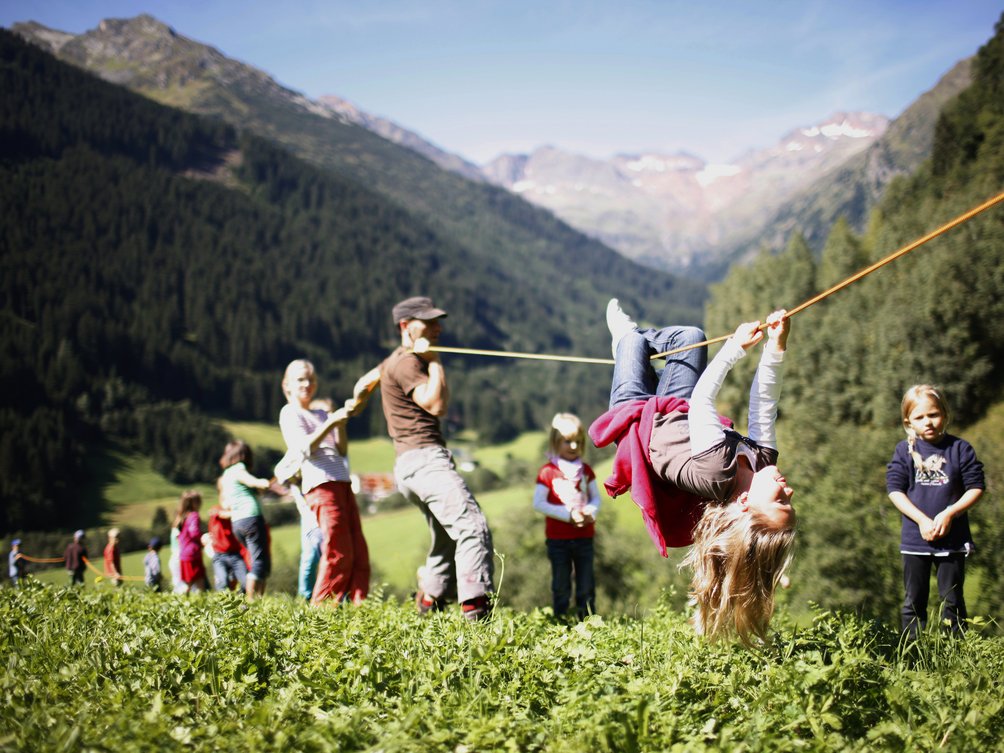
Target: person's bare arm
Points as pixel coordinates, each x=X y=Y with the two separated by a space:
x=364 y=387
x=432 y=396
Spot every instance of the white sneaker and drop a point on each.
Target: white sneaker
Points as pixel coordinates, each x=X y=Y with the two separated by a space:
x=618 y=323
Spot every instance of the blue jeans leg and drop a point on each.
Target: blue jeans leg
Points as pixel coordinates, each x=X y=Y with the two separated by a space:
x=310 y=556
x=560 y=554
x=221 y=573
x=226 y=566
x=635 y=376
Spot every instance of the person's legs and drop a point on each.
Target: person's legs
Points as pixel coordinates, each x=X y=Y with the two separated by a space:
x=329 y=504
x=429 y=475
x=635 y=376
x=437 y=578
x=682 y=370
x=310 y=556
x=917 y=584
x=585 y=581
x=951 y=574
x=558 y=551
x=221 y=572
x=359 y=581
x=238 y=568
x=253 y=535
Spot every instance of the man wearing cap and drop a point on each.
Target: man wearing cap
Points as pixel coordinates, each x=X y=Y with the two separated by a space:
x=74 y=557
x=415 y=395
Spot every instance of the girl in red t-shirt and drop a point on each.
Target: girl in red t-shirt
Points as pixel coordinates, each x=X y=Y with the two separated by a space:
x=567 y=495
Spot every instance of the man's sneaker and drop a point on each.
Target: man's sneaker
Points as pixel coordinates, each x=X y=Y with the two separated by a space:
x=618 y=323
x=426 y=604
x=477 y=609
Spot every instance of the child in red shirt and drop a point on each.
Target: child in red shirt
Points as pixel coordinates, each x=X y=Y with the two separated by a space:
x=113 y=558
x=229 y=566
x=567 y=494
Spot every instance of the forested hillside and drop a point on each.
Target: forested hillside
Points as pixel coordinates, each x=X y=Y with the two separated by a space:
x=494 y=226
x=156 y=268
x=935 y=315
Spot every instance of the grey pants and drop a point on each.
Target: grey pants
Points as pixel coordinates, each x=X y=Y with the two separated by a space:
x=459 y=563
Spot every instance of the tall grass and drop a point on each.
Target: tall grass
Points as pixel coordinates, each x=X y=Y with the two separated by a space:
x=127 y=670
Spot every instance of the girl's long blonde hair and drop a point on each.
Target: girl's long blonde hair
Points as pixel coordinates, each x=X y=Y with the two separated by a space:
x=738 y=561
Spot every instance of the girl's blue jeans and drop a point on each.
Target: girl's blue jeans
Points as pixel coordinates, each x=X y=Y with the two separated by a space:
x=635 y=376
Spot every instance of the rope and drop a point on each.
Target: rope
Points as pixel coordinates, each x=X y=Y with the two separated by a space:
x=801 y=307
x=862 y=273
x=506 y=354
x=110 y=577
x=53 y=560
x=42 y=560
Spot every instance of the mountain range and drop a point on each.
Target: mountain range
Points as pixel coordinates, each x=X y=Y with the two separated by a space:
x=669 y=211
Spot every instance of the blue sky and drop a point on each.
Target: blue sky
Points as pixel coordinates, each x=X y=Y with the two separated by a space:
x=479 y=77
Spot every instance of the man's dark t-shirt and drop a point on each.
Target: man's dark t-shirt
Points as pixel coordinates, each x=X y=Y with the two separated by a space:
x=409 y=425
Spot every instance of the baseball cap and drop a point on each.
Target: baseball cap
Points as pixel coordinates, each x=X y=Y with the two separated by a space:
x=155 y=542
x=79 y=534
x=418 y=307
x=16 y=542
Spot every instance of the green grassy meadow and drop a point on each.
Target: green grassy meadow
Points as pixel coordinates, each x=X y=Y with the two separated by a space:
x=104 y=668
x=100 y=670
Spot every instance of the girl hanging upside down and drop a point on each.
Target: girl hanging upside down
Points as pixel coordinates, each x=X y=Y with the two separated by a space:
x=695 y=479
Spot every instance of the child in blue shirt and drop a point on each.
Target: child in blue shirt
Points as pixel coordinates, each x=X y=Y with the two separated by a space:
x=152 y=574
x=17 y=564
x=933 y=479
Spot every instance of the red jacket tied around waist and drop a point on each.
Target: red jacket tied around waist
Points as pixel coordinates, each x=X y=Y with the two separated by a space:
x=670 y=514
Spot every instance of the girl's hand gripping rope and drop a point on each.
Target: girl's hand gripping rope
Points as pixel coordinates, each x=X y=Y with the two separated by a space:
x=778 y=326
x=748 y=334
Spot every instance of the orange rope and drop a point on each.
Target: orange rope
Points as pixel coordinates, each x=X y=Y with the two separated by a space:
x=111 y=577
x=53 y=560
x=862 y=273
x=801 y=307
x=506 y=354
x=43 y=560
